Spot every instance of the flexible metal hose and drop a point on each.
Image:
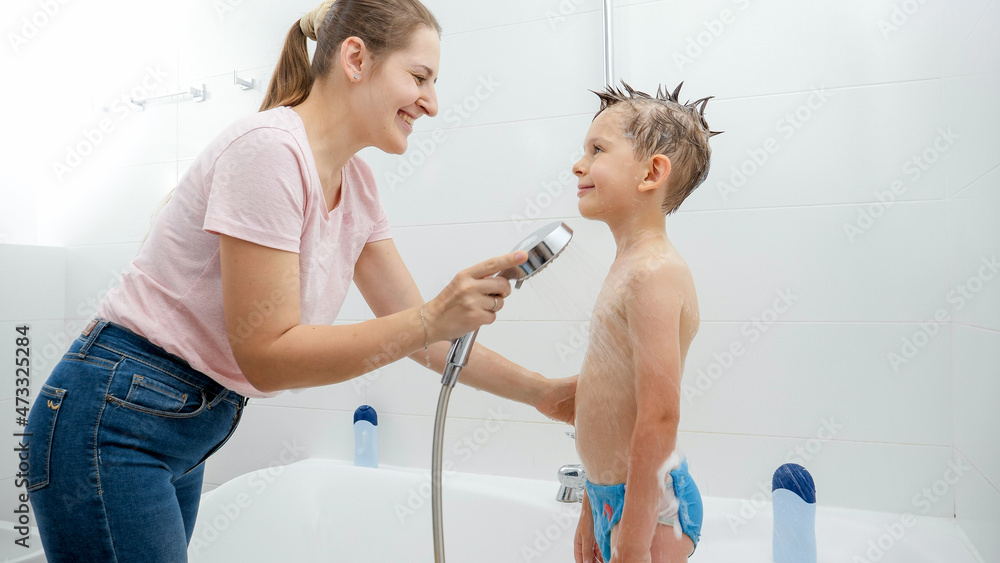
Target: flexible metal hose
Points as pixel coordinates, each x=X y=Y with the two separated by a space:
x=439 y=417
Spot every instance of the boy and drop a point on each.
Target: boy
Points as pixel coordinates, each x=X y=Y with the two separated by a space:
x=643 y=156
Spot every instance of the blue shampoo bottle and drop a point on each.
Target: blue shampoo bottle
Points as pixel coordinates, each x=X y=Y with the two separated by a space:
x=365 y=437
x=793 y=496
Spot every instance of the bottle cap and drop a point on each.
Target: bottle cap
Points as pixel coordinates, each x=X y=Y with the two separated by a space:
x=368 y=413
x=795 y=478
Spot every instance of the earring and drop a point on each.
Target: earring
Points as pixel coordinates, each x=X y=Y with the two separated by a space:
x=355 y=76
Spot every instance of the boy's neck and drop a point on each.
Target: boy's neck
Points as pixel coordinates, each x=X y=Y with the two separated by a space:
x=637 y=230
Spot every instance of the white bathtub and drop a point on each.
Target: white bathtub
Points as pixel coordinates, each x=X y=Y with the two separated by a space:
x=321 y=510
x=11 y=552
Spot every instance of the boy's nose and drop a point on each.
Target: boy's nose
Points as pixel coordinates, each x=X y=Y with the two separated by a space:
x=578 y=168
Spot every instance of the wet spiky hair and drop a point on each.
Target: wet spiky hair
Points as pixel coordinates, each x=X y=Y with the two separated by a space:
x=663 y=125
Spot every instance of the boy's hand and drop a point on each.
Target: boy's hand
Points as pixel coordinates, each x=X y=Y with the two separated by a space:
x=558 y=399
x=626 y=558
x=585 y=548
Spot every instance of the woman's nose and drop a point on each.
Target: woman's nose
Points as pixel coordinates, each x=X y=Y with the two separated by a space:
x=429 y=103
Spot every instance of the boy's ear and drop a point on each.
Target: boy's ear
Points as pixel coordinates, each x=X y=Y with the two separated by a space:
x=657 y=171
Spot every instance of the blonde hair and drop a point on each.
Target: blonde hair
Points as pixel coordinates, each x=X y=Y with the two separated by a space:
x=663 y=125
x=384 y=25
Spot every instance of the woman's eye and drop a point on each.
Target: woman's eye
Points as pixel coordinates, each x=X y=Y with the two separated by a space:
x=420 y=79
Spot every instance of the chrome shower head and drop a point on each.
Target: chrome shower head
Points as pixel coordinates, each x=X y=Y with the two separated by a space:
x=542 y=247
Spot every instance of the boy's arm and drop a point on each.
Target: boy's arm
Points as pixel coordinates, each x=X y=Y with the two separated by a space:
x=653 y=311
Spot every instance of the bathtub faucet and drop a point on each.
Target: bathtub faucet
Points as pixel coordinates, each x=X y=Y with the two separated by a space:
x=571 y=483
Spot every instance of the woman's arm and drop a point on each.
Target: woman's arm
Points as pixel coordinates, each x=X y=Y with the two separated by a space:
x=387 y=286
x=653 y=312
x=260 y=289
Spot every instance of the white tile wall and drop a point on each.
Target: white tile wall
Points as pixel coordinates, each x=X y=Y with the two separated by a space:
x=978 y=52
x=759 y=48
x=33 y=282
x=129 y=200
x=975 y=260
x=871 y=476
x=976 y=120
x=788 y=378
x=498 y=172
x=892 y=271
x=497 y=13
x=978 y=512
x=977 y=422
x=494 y=165
x=216 y=38
x=825 y=145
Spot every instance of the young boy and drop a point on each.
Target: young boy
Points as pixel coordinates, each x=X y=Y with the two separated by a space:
x=643 y=156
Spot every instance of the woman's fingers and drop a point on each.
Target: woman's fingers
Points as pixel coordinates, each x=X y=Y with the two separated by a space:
x=497 y=264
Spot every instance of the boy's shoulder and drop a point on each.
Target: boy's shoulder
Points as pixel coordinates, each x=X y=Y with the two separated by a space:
x=651 y=267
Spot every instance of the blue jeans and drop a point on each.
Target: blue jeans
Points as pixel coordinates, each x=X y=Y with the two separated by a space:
x=119 y=434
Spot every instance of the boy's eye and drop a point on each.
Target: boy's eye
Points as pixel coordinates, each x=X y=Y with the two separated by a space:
x=598 y=149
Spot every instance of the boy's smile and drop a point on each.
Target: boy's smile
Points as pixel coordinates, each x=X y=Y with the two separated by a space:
x=608 y=173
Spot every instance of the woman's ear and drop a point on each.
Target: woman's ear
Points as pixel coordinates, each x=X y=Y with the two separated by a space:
x=657 y=171
x=353 y=54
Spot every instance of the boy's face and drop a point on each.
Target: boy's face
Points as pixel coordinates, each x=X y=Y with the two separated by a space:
x=608 y=174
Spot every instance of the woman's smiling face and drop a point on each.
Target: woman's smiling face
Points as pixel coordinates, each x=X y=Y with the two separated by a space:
x=402 y=90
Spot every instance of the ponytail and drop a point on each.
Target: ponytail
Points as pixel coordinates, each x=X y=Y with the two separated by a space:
x=292 y=80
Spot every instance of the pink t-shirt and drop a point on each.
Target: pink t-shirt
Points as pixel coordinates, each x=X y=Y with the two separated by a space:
x=257 y=181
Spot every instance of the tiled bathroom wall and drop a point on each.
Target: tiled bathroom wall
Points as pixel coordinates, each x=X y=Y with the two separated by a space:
x=852 y=200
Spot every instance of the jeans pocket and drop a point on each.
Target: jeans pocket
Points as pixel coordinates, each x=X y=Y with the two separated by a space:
x=42 y=426
x=155 y=392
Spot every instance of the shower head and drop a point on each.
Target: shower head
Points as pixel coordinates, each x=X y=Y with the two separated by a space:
x=542 y=247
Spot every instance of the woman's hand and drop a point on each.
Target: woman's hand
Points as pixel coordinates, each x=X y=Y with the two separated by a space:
x=471 y=300
x=558 y=399
x=585 y=548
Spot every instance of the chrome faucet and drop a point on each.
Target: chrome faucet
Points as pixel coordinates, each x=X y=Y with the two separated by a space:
x=571 y=483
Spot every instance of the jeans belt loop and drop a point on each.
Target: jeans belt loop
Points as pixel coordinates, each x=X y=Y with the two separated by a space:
x=94 y=328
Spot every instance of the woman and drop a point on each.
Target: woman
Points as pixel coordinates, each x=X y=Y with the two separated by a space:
x=233 y=294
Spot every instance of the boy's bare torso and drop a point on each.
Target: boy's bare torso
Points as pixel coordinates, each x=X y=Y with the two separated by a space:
x=605 y=398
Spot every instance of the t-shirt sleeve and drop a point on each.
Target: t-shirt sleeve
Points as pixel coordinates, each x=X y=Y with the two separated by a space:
x=256 y=190
x=382 y=230
x=369 y=199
